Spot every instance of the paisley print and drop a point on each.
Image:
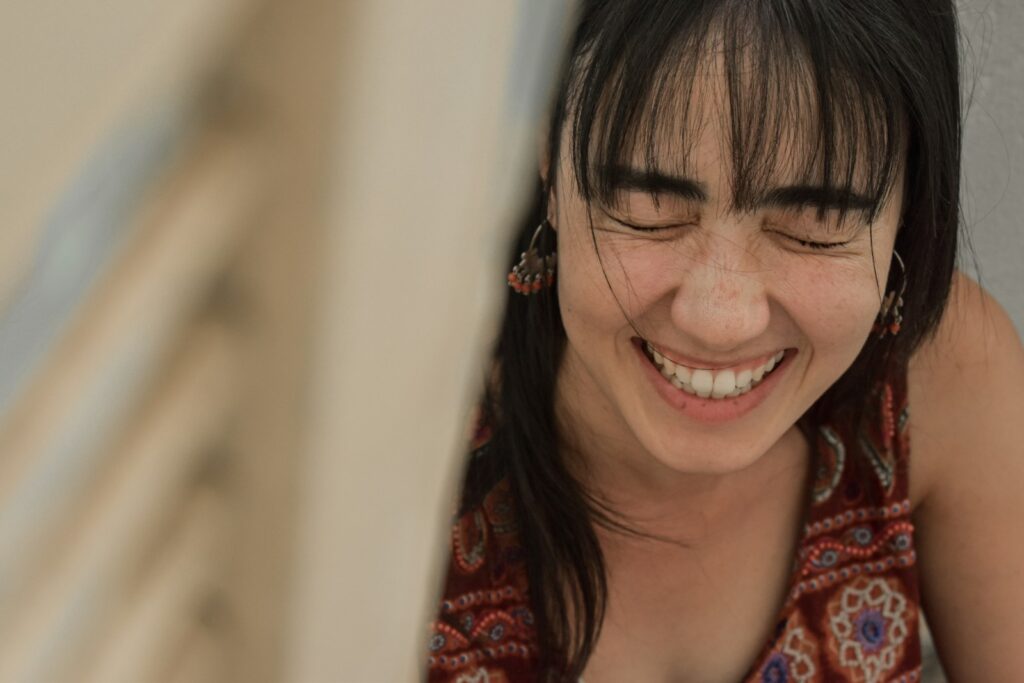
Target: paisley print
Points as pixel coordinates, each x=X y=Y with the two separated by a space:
x=470 y=542
x=851 y=609
x=832 y=460
x=881 y=461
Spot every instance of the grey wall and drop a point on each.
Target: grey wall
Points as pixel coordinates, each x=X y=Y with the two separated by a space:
x=994 y=147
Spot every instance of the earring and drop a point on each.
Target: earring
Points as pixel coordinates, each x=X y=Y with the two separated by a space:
x=890 y=315
x=533 y=272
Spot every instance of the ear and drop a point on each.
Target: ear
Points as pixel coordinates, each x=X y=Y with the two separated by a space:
x=552 y=209
x=550 y=201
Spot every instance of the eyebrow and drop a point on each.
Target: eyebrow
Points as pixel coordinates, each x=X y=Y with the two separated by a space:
x=824 y=198
x=815 y=196
x=623 y=178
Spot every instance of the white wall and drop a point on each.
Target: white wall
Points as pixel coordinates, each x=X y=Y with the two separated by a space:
x=994 y=147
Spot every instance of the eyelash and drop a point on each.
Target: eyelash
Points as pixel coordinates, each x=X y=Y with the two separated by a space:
x=809 y=244
x=652 y=228
x=816 y=245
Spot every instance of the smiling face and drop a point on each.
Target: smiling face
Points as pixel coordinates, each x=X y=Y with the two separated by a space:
x=700 y=332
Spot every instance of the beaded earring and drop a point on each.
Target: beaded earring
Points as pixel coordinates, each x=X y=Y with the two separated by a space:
x=890 y=315
x=534 y=272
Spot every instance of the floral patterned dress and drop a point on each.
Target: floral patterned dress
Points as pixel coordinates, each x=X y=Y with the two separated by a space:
x=852 y=608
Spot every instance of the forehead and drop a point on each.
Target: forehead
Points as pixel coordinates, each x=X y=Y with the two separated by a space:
x=757 y=125
x=760 y=114
x=702 y=117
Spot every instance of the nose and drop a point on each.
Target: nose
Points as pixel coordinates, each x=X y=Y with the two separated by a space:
x=721 y=303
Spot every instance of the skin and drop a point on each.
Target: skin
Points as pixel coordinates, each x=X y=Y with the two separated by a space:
x=724 y=285
x=966 y=476
x=717 y=285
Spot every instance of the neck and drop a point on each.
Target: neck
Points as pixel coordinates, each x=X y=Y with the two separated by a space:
x=649 y=496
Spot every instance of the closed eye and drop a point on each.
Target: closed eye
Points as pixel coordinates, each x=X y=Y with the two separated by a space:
x=815 y=245
x=797 y=226
x=651 y=228
x=641 y=213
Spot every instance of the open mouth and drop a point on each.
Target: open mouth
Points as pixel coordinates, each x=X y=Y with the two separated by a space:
x=716 y=384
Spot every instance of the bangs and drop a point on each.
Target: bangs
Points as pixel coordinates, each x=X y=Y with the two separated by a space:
x=796 y=102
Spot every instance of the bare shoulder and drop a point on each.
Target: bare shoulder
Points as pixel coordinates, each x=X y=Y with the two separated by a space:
x=965 y=381
x=967 y=454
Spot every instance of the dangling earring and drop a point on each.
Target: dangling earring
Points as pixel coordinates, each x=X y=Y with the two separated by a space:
x=533 y=272
x=890 y=315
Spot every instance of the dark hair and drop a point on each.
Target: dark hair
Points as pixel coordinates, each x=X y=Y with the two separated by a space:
x=883 y=78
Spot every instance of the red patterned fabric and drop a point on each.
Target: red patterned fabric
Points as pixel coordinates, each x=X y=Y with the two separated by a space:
x=852 y=608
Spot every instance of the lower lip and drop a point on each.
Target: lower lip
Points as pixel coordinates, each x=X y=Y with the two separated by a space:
x=709 y=410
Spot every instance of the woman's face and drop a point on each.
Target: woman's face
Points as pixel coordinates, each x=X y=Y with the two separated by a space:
x=676 y=298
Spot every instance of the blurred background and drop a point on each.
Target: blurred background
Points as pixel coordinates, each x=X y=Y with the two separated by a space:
x=251 y=255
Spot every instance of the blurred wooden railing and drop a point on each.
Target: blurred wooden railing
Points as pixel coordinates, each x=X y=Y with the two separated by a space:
x=198 y=465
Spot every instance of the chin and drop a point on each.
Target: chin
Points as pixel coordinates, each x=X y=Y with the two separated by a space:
x=713 y=459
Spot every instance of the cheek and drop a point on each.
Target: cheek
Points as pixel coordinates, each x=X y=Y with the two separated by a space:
x=606 y=283
x=624 y=276
x=583 y=293
x=835 y=304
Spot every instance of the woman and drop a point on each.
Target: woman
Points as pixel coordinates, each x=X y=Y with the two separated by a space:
x=695 y=459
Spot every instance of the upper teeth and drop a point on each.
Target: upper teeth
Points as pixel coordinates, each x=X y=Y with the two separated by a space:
x=724 y=383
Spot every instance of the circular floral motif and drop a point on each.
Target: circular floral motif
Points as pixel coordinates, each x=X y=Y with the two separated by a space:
x=795 y=656
x=481 y=675
x=869 y=622
x=775 y=671
x=862 y=535
x=870 y=630
x=901 y=542
x=827 y=558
